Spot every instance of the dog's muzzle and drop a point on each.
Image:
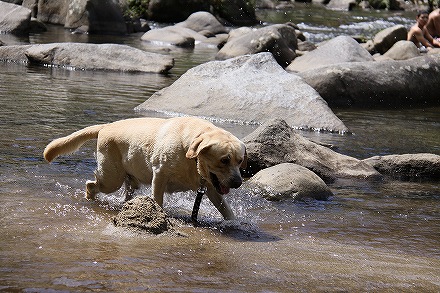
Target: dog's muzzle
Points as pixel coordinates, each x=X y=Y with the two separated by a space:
x=234 y=182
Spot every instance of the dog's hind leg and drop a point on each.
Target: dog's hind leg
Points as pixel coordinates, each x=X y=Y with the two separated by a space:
x=109 y=173
x=91 y=189
x=131 y=184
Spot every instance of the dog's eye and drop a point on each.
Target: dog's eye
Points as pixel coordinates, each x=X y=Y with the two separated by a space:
x=225 y=160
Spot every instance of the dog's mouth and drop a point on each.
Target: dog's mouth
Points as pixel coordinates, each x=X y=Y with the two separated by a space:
x=218 y=186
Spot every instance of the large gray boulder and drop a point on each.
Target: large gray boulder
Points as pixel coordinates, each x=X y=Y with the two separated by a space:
x=53 y=11
x=14 y=19
x=251 y=89
x=111 y=57
x=93 y=16
x=378 y=84
x=99 y=16
x=386 y=38
x=275 y=142
x=337 y=50
x=418 y=167
x=279 y=39
x=289 y=180
x=89 y=57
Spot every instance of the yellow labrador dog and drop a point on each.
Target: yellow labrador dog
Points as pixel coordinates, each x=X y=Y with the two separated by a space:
x=176 y=154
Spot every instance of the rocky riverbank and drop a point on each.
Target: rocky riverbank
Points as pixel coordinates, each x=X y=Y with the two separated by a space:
x=261 y=74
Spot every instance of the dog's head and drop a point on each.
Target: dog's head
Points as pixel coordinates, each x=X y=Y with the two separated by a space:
x=220 y=156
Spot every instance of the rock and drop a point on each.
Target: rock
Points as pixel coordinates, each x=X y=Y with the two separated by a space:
x=53 y=11
x=403 y=50
x=172 y=11
x=420 y=167
x=37 y=26
x=99 y=57
x=235 y=12
x=434 y=51
x=137 y=25
x=409 y=82
x=100 y=16
x=346 y=5
x=306 y=46
x=89 y=57
x=386 y=38
x=32 y=5
x=143 y=213
x=173 y=35
x=14 y=19
x=279 y=39
x=203 y=21
x=241 y=31
x=337 y=50
x=250 y=89
x=265 y=4
x=369 y=46
x=289 y=181
x=275 y=142
x=14 y=53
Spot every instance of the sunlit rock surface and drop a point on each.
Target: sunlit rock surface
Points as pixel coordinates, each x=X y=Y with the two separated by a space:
x=275 y=142
x=249 y=89
x=419 y=167
x=376 y=84
x=85 y=56
x=289 y=180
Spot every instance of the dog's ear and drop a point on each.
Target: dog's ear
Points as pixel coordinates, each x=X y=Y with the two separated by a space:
x=199 y=143
x=244 y=163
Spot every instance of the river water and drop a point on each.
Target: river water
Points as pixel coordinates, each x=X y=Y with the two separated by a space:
x=371 y=236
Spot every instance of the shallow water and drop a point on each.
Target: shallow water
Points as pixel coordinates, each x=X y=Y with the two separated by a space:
x=371 y=236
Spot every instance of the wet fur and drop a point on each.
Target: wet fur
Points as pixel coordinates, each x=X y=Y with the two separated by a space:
x=170 y=154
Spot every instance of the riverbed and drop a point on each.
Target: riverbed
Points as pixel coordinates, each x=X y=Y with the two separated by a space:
x=380 y=236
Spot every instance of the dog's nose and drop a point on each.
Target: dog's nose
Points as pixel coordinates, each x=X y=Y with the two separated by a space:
x=236 y=181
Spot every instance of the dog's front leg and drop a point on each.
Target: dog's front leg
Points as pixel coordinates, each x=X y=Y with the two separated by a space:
x=221 y=204
x=158 y=185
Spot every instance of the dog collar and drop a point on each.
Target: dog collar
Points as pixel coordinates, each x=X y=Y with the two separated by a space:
x=200 y=192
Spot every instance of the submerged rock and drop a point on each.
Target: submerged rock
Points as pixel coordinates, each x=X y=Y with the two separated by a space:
x=275 y=142
x=408 y=166
x=289 y=180
x=250 y=89
x=143 y=213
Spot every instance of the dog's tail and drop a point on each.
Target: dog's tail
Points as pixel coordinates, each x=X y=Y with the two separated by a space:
x=71 y=143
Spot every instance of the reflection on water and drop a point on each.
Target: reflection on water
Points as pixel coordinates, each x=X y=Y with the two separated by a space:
x=371 y=236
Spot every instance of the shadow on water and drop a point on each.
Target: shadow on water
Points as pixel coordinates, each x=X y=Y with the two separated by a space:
x=178 y=207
